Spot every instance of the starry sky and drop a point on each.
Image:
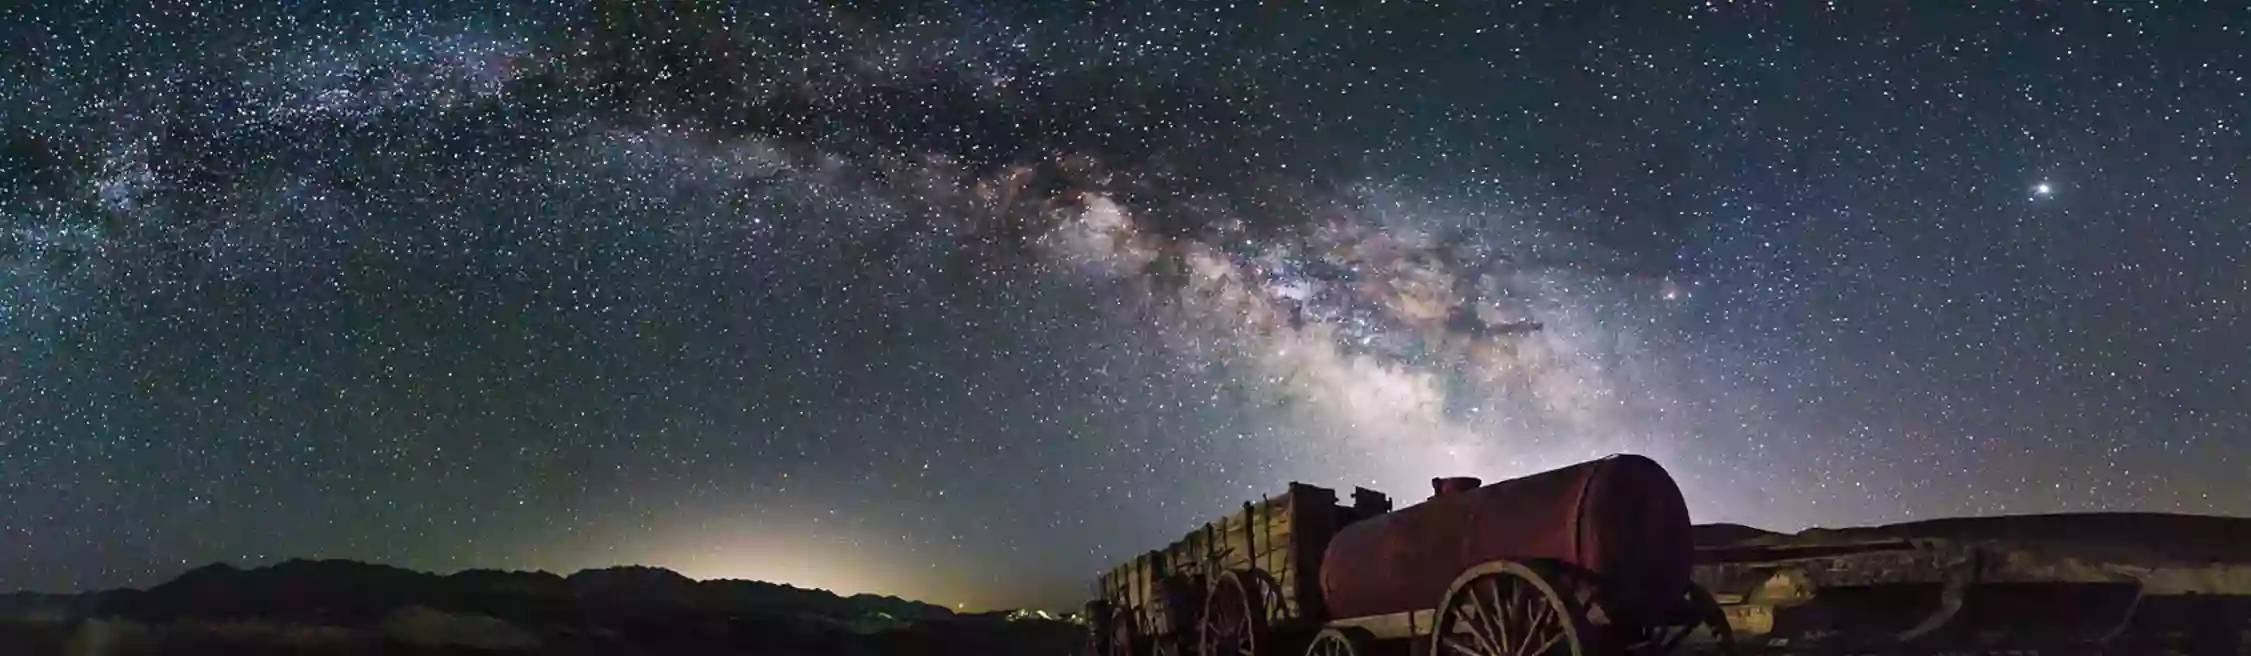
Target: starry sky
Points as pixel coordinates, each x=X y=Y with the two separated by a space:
x=963 y=300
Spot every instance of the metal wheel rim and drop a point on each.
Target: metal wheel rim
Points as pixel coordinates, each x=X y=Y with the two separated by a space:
x=1505 y=613
x=1330 y=643
x=1223 y=635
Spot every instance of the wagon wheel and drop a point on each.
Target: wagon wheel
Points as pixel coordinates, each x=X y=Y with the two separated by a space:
x=1125 y=635
x=1234 y=621
x=1340 y=642
x=1183 y=606
x=1505 y=608
x=1664 y=639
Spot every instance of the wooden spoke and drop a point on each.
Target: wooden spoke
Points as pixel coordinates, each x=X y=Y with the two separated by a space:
x=1234 y=620
x=1508 y=609
x=1340 y=642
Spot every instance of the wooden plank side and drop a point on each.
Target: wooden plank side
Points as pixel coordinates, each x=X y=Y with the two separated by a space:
x=1250 y=534
x=1160 y=604
x=1141 y=584
x=1113 y=586
x=1246 y=531
x=1239 y=534
x=1199 y=545
x=1133 y=585
x=1280 y=535
x=1261 y=536
x=1146 y=587
x=1143 y=593
x=1258 y=521
x=1313 y=523
x=1229 y=540
x=1110 y=587
x=1261 y=531
x=1152 y=601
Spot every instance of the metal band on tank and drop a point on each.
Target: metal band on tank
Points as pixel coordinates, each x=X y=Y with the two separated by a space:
x=1579 y=532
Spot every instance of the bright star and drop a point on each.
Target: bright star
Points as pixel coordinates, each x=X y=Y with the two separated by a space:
x=2043 y=189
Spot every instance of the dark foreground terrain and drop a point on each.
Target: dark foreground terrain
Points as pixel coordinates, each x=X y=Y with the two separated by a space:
x=2134 y=583
x=346 y=607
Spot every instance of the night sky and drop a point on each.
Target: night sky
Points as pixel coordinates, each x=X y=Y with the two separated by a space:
x=963 y=300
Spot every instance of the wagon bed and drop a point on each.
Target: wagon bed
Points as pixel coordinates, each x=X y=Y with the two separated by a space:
x=2146 y=582
x=1153 y=602
x=1589 y=559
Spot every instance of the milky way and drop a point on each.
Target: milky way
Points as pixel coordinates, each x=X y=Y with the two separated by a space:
x=961 y=301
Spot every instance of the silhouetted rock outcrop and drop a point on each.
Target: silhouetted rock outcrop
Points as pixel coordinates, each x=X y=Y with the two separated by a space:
x=309 y=591
x=633 y=582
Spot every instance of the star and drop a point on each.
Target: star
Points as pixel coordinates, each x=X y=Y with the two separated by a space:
x=804 y=295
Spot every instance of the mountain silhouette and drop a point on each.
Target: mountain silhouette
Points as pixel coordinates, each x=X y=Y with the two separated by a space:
x=344 y=606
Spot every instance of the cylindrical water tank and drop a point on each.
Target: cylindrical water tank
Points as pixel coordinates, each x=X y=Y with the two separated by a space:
x=1620 y=518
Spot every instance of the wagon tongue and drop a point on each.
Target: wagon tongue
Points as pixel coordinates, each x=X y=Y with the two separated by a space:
x=1444 y=486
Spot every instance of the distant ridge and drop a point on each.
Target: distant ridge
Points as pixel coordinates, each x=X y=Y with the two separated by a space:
x=330 y=606
x=348 y=589
x=2171 y=534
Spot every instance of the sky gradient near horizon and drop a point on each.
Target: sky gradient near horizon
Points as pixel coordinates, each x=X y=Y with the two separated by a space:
x=961 y=301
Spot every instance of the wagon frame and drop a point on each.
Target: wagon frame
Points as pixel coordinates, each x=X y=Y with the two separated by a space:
x=2068 y=583
x=1262 y=561
x=1250 y=584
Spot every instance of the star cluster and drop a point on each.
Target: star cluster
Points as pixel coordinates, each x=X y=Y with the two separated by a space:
x=961 y=301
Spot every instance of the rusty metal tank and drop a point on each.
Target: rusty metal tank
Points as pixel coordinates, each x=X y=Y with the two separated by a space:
x=1621 y=518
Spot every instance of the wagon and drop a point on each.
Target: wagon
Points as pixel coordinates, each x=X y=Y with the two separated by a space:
x=2076 y=583
x=1594 y=558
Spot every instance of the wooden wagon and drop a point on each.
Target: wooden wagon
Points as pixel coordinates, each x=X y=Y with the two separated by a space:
x=1589 y=559
x=2028 y=584
x=1250 y=575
